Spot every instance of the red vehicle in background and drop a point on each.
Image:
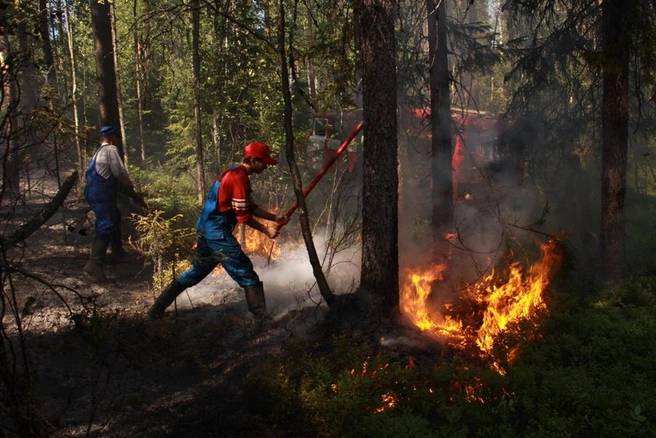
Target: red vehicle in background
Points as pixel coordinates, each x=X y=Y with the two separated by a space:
x=482 y=145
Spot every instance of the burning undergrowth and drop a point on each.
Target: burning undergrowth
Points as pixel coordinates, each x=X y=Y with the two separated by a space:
x=469 y=314
x=481 y=312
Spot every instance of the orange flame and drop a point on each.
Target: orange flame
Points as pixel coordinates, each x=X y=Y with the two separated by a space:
x=388 y=400
x=520 y=297
x=517 y=299
x=254 y=242
x=414 y=303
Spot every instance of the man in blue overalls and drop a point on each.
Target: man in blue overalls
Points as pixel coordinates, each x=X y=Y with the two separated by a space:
x=105 y=176
x=228 y=202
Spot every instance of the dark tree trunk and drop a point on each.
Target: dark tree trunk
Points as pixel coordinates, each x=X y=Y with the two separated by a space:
x=380 y=252
x=48 y=53
x=30 y=81
x=440 y=102
x=105 y=68
x=615 y=134
x=117 y=71
x=9 y=146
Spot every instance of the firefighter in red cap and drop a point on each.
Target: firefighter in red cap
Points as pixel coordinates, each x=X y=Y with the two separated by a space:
x=228 y=203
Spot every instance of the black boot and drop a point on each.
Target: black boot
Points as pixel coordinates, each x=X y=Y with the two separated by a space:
x=119 y=255
x=165 y=299
x=95 y=267
x=256 y=302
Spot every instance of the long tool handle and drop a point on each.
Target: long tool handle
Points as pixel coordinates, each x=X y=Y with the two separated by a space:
x=325 y=168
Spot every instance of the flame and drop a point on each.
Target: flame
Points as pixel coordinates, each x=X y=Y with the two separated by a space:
x=474 y=391
x=519 y=297
x=414 y=303
x=388 y=400
x=254 y=242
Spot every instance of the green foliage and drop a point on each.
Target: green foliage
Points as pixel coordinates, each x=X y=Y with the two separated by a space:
x=168 y=189
x=167 y=246
x=591 y=367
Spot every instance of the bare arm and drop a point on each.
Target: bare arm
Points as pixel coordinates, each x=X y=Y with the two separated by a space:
x=270 y=230
x=281 y=220
x=258 y=212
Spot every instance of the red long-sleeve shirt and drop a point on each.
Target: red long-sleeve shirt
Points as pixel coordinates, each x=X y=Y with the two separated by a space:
x=235 y=194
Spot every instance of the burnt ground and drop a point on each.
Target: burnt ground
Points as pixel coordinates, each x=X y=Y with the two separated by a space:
x=100 y=367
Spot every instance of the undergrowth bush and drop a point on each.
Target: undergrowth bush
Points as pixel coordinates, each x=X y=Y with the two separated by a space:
x=169 y=191
x=640 y=216
x=168 y=247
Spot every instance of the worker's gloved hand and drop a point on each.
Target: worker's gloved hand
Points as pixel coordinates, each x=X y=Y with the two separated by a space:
x=140 y=200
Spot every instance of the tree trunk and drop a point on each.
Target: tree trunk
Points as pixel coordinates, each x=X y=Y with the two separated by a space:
x=57 y=9
x=200 y=161
x=48 y=53
x=322 y=283
x=374 y=22
x=138 y=70
x=615 y=133
x=440 y=103
x=30 y=82
x=146 y=49
x=42 y=216
x=119 y=97
x=312 y=79
x=8 y=141
x=105 y=68
x=81 y=156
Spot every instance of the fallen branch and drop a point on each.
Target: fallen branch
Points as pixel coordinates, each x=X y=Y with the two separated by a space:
x=28 y=228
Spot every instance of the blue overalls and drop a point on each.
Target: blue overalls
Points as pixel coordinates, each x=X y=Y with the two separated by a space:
x=100 y=193
x=216 y=244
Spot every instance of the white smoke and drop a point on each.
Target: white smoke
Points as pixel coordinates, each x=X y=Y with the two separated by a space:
x=289 y=283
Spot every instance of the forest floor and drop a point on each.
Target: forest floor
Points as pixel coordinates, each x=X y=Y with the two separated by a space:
x=100 y=367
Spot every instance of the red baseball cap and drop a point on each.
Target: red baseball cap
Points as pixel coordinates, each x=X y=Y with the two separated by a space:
x=260 y=150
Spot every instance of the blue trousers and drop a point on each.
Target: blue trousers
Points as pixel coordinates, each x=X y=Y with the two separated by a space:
x=108 y=216
x=225 y=251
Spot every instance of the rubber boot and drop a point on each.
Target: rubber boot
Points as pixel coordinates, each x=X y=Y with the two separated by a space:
x=256 y=302
x=165 y=299
x=95 y=267
x=119 y=255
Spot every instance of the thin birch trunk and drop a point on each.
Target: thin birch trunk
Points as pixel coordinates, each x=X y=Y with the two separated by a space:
x=322 y=282
x=200 y=162
x=76 y=121
x=311 y=74
x=138 y=79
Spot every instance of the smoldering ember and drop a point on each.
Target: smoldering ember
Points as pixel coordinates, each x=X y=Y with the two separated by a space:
x=334 y=219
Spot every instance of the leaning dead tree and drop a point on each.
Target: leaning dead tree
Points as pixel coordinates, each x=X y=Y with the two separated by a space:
x=322 y=283
x=29 y=227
